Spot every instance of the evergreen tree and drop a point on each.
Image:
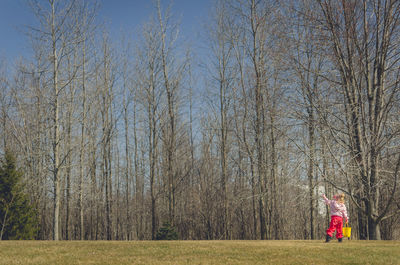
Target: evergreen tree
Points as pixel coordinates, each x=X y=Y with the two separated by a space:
x=18 y=219
x=167 y=232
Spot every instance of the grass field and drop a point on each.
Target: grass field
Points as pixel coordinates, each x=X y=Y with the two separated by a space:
x=199 y=252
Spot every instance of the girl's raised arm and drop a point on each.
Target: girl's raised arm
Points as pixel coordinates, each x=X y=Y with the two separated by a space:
x=325 y=199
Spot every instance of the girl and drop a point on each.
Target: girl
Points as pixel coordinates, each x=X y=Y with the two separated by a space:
x=338 y=212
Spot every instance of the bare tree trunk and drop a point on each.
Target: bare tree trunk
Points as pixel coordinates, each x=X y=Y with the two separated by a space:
x=127 y=171
x=107 y=120
x=256 y=55
x=274 y=189
x=117 y=211
x=4 y=105
x=310 y=172
x=68 y=162
x=138 y=180
x=56 y=132
x=152 y=159
x=82 y=145
x=94 y=199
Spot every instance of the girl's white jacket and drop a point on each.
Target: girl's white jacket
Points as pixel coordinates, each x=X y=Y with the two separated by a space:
x=336 y=208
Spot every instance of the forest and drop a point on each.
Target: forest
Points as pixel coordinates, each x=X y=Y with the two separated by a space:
x=119 y=139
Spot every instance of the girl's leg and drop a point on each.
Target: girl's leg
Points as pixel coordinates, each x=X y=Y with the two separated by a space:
x=332 y=227
x=339 y=228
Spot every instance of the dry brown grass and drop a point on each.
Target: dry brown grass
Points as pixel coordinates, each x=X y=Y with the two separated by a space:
x=199 y=252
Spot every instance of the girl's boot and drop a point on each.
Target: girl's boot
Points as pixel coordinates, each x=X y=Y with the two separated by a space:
x=328 y=238
x=340 y=239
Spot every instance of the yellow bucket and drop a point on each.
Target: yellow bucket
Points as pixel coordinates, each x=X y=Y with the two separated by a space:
x=346 y=231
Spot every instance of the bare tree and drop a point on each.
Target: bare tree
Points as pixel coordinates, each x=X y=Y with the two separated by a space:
x=173 y=71
x=107 y=97
x=149 y=69
x=222 y=74
x=307 y=61
x=256 y=19
x=128 y=171
x=57 y=34
x=85 y=33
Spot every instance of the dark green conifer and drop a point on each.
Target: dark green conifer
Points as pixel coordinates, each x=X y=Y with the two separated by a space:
x=167 y=232
x=17 y=216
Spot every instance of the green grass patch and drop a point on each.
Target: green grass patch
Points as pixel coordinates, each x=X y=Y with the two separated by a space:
x=199 y=252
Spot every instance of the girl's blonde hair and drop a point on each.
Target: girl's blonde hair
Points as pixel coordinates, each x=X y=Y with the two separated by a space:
x=340 y=197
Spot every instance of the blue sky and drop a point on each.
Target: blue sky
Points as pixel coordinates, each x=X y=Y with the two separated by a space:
x=119 y=15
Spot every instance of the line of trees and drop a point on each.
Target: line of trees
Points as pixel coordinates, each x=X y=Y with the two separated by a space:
x=291 y=99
